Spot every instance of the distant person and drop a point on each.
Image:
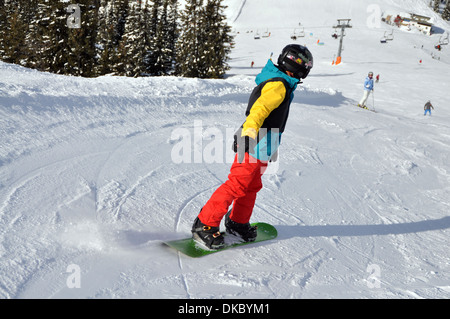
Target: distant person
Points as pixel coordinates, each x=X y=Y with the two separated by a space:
x=377 y=78
x=368 y=87
x=428 y=106
x=253 y=63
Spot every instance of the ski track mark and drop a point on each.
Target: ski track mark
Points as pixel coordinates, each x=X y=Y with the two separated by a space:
x=183 y=276
x=122 y=198
x=240 y=10
x=187 y=202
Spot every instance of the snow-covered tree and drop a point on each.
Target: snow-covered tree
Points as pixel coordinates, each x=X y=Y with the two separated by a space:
x=81 y=55
x=436 y=5
x=217 y=40
x=204 y=42
x=47 y=39
x=13 y=29
x=135 y=41
x=446 y=12
x=188 y=45
x=164 y=39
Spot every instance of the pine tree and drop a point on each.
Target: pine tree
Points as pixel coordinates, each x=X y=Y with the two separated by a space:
x=153 y=18
x=446 y=12
x=135 y=41
x=110 y=51
x=172 y=36
x=204 y=43
x=159 y=62
x=216 y=46
x=58 y=33
x=2 y=27
x=81 y=41
x=105 y=38
x=161 y=35
x=188 y=53
x=13 y=29
x=119 y=52
x=436 y=6
x=41 y=40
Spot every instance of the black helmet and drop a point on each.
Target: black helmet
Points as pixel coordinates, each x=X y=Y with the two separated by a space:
x=297 y=59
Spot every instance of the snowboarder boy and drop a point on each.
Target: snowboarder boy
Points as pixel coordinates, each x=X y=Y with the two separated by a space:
x=427 y=107
x=255 y=144
x=368 y=87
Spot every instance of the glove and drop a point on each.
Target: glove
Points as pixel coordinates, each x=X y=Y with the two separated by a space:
x=244 y=144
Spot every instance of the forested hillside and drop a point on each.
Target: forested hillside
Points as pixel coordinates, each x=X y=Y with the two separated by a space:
x=119 y=37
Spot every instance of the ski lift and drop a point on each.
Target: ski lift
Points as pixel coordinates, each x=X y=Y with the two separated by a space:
x=335 y=34
x=294 y=35
x=266 y=34
x=257 y=36
x=383 y=39
x=443 y=41
x=301 y=34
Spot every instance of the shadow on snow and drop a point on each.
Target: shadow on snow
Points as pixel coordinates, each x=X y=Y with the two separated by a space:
x=286 y=232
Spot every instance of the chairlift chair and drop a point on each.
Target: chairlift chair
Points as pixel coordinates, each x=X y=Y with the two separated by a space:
x=390 y=36
x=301 y=34
x=294 y=35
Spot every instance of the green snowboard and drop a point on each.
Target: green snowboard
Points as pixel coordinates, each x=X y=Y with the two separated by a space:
x=191 y=248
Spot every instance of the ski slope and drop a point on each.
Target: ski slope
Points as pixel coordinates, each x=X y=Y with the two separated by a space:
x=96 y=173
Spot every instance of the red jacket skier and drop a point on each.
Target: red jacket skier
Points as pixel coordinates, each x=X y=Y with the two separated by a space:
x=256 y=143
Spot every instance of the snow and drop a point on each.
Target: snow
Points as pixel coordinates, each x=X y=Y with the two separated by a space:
x=92 y=179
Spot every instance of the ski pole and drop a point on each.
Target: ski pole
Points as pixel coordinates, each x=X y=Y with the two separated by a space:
x=373 y=100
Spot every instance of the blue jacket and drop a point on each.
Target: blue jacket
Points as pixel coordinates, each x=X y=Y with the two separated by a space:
x=368 y=84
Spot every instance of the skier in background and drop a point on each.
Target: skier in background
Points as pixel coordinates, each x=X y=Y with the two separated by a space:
x=427 y=107
x=368 y=87
x=256 y=143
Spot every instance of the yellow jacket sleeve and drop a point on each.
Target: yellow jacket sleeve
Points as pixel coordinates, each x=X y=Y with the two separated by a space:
x=272 y=94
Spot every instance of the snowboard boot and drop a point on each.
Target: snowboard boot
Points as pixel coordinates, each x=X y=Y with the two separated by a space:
x=209 y=236
x=244 y=231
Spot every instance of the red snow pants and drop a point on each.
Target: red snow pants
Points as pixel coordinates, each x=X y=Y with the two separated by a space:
x=244 y=182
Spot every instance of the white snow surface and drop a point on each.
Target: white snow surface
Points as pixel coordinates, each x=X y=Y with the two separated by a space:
x=91 y=181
